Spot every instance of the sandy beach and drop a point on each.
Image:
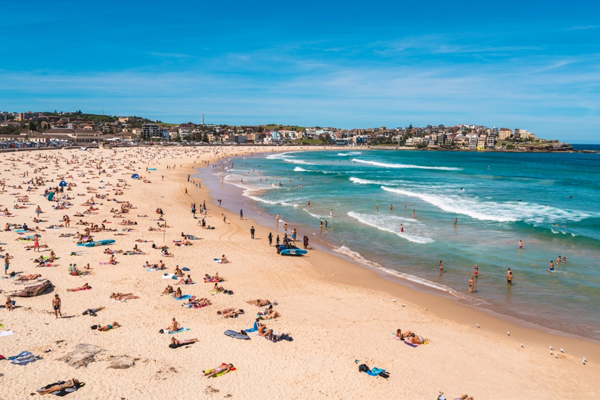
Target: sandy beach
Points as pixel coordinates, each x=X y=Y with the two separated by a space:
x=339 y=315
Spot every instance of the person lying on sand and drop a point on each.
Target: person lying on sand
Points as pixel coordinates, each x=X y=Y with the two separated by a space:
x=84 y=287
x=185 y=281
x=177 y=343
x=223 y=368
x=199 y=303
x=58 y=387
x=106 y=327
x=215 y=278
x=270 y=335
x=464 y=397
x=269 y=313
x=260 y=303
x=230 y=312
x=401 y=335
x=123 y=296
x=29 y=277
x=92 y=311
x=414 y=339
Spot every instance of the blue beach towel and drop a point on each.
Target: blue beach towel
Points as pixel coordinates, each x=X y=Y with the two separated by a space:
x=179 y=331
x=184 y=297
x=253 y=329
x=375 y=371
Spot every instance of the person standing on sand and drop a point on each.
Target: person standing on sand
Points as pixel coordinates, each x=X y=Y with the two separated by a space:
x=56 y=304
x=509 y=277
x=270 y=239
x=36 y=242
x=252 y=232
x=7 y=258
x=241 y=214
x=471 y=285
x=224 y=218
x=277 y=241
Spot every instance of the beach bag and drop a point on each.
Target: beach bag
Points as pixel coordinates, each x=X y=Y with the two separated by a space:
x=363 y=368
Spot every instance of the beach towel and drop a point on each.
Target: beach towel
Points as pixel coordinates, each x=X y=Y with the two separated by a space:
x=185 y=269
x=411 y=345
x=254 y=328
x=184 y=297
x=220 y=373
x=63 y=392
x=217 y=260
x=375 y=371
x=168 y=276
x=236 y=335
x=6 y=333
x=24 y=358
x=180 y=330
x=152 y=269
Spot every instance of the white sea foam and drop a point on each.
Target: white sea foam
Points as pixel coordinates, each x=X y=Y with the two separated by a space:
x=317 y=216
x=299 y=169
x=367 y=181
x=387 y=165
x=278 y=156
x=350 y=153
x=361 y=260
x=493 y=211
x=392 y=224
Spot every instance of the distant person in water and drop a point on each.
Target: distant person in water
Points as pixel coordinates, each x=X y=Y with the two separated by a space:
x=441 y=266
x=471 y=282
x=551 y=267
x=413 y=213
x=509 y=277
x=476 y=273
x=455 y=221
x=521 y=244
x=391 y=208
x=401 y=227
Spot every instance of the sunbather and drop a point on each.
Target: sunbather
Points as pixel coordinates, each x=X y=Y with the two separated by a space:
x=107 y=327
x=9 y=304
x=230 y=312
x=168 y=290
x=177 y=343
x=414 y=339
x=223 y=368
x=84 y=287
x=58 y=387
x=174 y=325
x=123 y=296
x=199 y=303
x=260 y=303
x=29 y=277
x=92 y=311
x=401 y=335
x=185 y=281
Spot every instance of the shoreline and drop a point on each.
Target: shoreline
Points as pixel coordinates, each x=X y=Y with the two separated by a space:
x=336 y=311
x=327 y=247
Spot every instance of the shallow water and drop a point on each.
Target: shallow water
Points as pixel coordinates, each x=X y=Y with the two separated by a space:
x=550 y=201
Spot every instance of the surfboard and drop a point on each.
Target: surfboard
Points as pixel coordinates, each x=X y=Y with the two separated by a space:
x=293 y=252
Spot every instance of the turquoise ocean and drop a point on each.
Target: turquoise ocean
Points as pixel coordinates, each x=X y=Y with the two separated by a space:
x=550 y=201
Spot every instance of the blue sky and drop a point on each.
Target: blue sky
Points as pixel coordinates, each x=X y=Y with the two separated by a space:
x=518 y=64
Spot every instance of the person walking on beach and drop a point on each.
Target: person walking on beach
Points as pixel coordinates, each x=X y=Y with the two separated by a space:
x=521 y=244
x=277 y=241
x=252 y=232
x=509 y=277
x=241 y=214
x=224 y=218
x=270 y=238
x=305 y=242
x=219 y=202
x=56 y=304
x=471 y=285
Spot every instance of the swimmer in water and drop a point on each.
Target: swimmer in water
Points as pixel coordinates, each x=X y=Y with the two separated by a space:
x=521 y=244
x=509 y=277
x=476 y=273
x=551 y=267
x=455 y=221
x=441 y=266
x=401 y=228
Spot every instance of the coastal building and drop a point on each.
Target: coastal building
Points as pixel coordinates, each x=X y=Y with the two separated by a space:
x=150 y=131
x=473 y=139
x=481 y=142
x=504 y=134
x=490 y=142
